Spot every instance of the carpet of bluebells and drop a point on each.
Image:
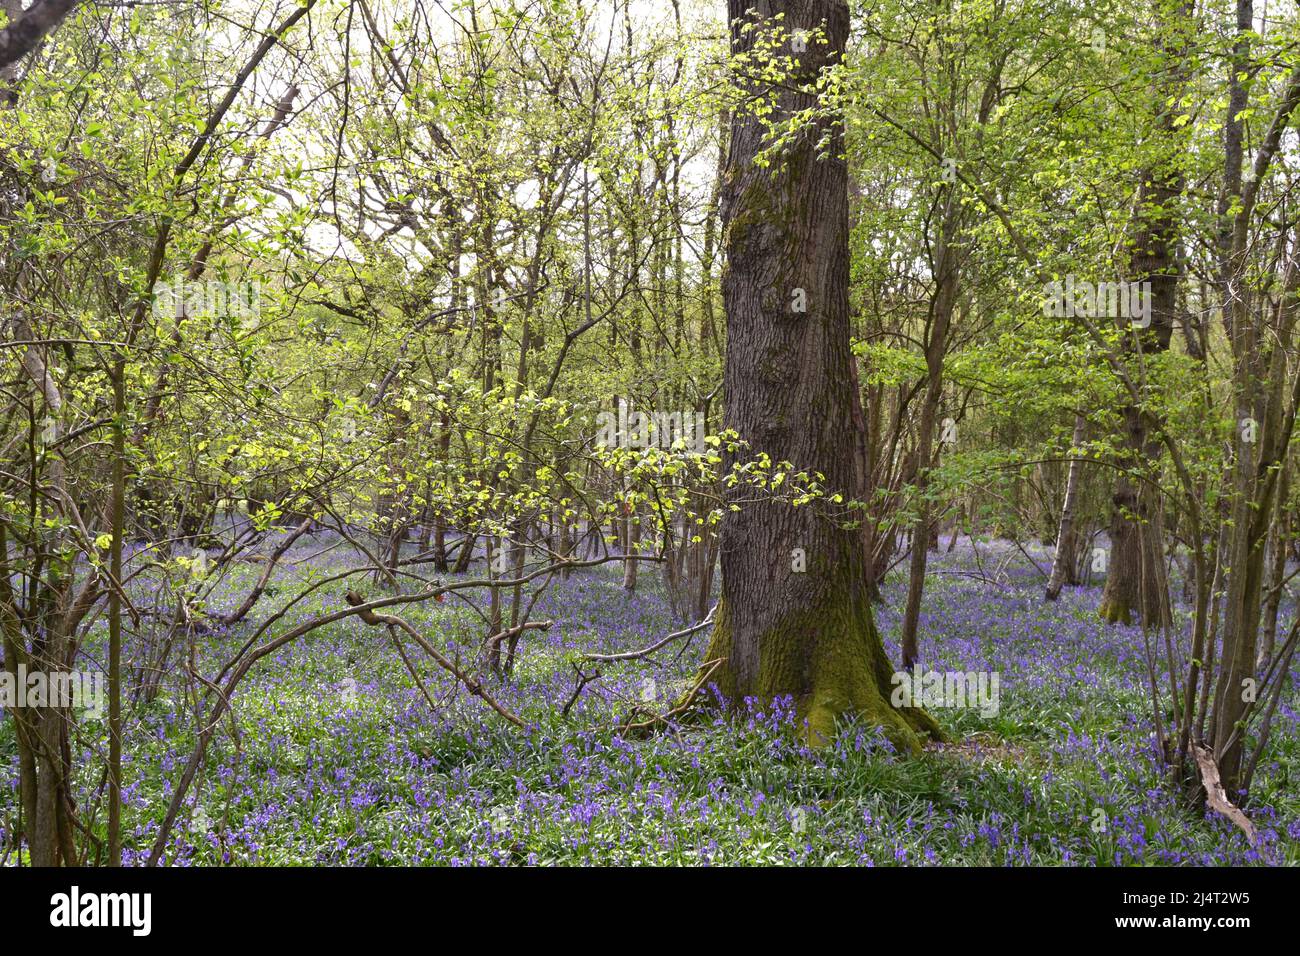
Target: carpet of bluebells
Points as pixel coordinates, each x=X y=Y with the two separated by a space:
x=341 y=760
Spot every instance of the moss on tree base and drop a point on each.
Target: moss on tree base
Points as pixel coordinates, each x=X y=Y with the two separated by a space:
x=831 y=662
x=1115 y=612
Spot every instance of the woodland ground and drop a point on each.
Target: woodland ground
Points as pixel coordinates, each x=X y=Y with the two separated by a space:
x=1063 y=774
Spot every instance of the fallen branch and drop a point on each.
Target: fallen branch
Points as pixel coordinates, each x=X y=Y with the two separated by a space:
x=1217 y=796
x=706 y=671
x=410 y=668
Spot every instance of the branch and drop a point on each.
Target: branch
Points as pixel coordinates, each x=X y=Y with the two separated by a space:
x=22 y=36
x=471 y=684
x=687 y=702
x=1217 y=797
x=645 y=652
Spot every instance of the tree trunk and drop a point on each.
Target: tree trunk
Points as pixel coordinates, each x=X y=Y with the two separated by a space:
x=1066 y=538
x=1278 y=534
x=946 y=273
x=1130 y=595
x=787 y=379
x=631 y=547
x=1136 y=554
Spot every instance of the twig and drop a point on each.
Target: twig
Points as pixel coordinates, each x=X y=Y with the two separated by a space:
x=583 y=680
x=410 y=667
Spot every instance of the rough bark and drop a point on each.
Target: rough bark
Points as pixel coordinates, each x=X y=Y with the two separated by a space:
x=788 y=381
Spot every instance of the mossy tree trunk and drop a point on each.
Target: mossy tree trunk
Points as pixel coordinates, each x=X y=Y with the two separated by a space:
x=783 y=631
x=1132 y=593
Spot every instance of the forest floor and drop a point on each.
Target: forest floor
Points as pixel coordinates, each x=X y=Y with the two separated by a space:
x=341 y=760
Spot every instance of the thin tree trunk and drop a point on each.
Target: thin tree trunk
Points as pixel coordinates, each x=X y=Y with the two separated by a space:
x=115 y=615
x=1278 y=534
x=1066 y=545
x=631 y=543
x=947 y=274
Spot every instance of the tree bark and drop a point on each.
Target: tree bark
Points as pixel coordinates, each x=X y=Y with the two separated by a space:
x=1066 y=543
x=22 y=35
x=1277 y=545
x=788 y=380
